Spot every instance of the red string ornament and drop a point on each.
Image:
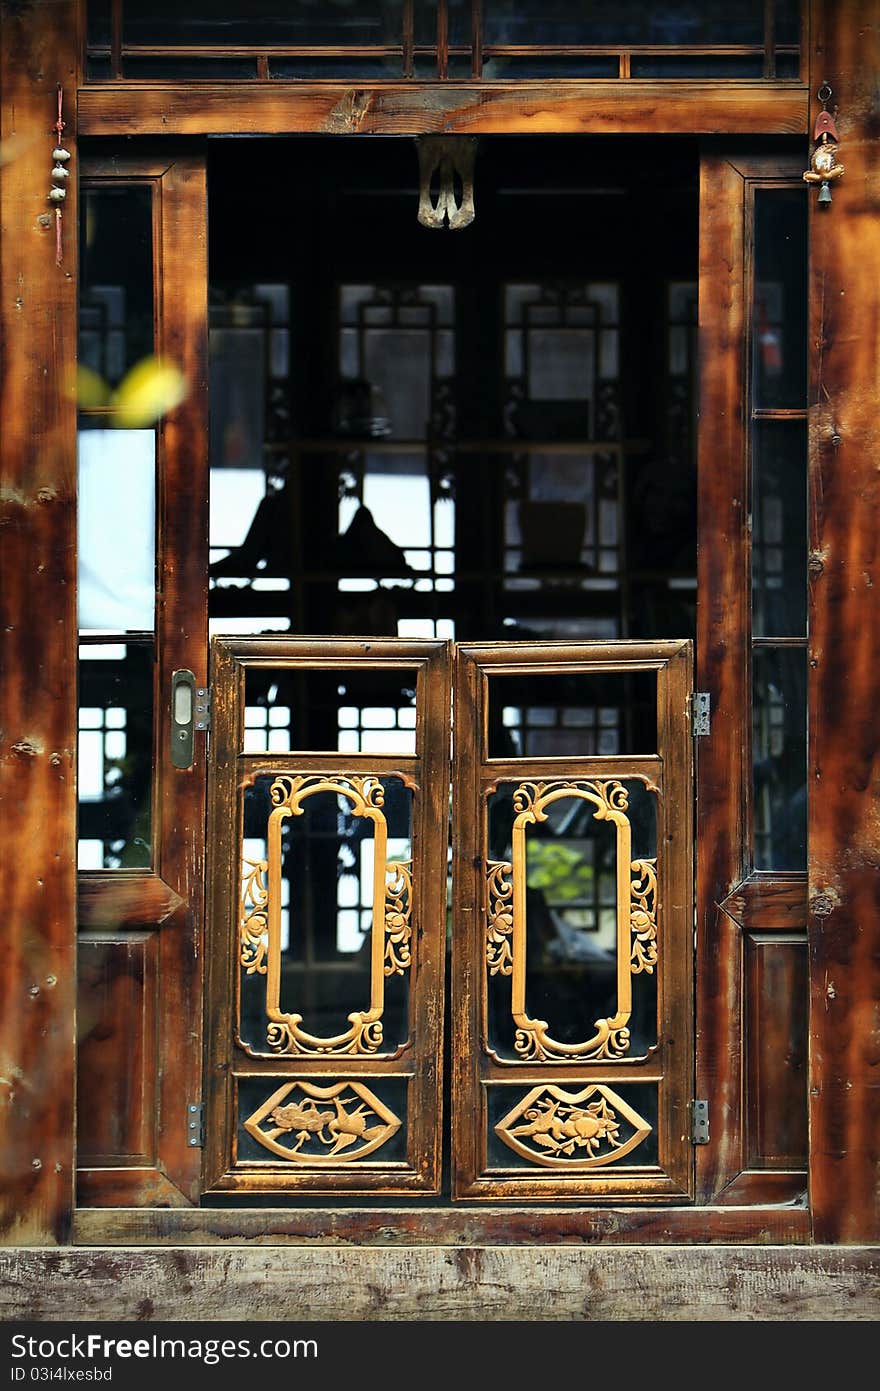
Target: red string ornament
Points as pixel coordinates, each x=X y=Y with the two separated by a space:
x=60 y=175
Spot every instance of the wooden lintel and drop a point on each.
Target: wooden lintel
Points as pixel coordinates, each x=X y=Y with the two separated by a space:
x=488 y=108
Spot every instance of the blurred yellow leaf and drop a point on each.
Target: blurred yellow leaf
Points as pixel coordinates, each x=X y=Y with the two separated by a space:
x=150 y=390
x=91 y=389
x=14 y=146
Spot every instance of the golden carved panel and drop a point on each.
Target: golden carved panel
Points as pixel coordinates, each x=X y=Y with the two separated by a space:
x=506 y=926
x=259 y=947
x=572 y=1130
x=322 y=1126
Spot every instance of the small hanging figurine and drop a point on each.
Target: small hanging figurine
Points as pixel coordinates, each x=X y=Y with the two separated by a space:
x=60 y=175
x=823 y=164
x=451 y=160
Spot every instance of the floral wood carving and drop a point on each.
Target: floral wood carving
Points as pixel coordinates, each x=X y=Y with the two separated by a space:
x=322 y=1126
x=572 y=1130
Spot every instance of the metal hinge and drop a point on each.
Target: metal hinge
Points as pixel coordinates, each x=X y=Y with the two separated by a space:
x=699 y=1122
x=203 y=707
x=195 y=1125
x=700 y=709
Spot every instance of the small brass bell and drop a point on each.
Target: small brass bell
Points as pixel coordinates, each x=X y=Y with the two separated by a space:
x=824 y=195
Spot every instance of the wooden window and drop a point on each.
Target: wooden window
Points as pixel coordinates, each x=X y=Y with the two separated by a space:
x=444 y=39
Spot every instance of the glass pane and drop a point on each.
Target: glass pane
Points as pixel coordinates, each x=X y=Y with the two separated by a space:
x=779 y=330
x=779 y=753
x=779 y=529
x=226 y=23
x=532 y=65
x=98 y=23
x=563 y=22
x=357 y=710
x=115 y=755
x=116 y=521
x=572 y=714
x=788 y=21
x=116 y=280
x=339 y=68
x=328 y=887
x=700 y=65
x=177 y=69
x=788 y=66
x=571 y=916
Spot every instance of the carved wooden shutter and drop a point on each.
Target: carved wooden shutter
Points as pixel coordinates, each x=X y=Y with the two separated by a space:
x=573 y=929
x=328 y=833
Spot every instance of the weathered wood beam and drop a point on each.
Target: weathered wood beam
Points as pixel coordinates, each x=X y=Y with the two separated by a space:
x=532 y=1283
x=490 y=108
x=38 y=50
x=844 y=671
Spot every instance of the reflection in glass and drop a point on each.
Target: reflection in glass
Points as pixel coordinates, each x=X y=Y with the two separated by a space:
x=225 y=23
x=779 y=746
x=345 y=710
x=575 y=715
x=779 y=529
x=328 y=886
x=780 y=299
x=116 y=521
x=115 y=755
x=571 y=918
x=116 y=279
x=564 y=22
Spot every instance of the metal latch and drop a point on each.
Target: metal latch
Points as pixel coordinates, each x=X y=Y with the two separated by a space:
x=203 y=707
x=195 y=1125
x=700 y=710
x=699 y=1122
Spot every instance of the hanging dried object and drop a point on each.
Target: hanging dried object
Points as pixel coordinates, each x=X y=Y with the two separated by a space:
x=448 y=162
x=823 y=163
x=60 y=175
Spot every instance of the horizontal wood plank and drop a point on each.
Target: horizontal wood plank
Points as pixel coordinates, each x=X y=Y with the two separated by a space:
x=769 y=905
x=769 y=1224
x=113 y=899
x=533 y=1283
x=241 y=108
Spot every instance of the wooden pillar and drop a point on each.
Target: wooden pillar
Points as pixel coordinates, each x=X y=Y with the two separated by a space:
x=38 y=50
x=844 y=758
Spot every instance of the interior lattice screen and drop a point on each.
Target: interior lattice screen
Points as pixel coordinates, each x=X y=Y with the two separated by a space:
x=382 y=40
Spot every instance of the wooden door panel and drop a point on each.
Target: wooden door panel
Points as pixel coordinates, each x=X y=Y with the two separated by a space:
x=328 y=890
x=738 y=1068
x=572 y=968
x=141 y=929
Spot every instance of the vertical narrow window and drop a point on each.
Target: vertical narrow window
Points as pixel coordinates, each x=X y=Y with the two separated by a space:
x=779 y=528
x=116 y=529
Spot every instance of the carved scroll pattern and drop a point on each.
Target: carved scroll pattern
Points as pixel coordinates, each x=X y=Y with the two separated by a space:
x=322 y=1126
x=260 y=918
x=573 y=1130
x=506 y=927
x=398 y=917
x=499 y=918
x=643 y=917
x=254 y=924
